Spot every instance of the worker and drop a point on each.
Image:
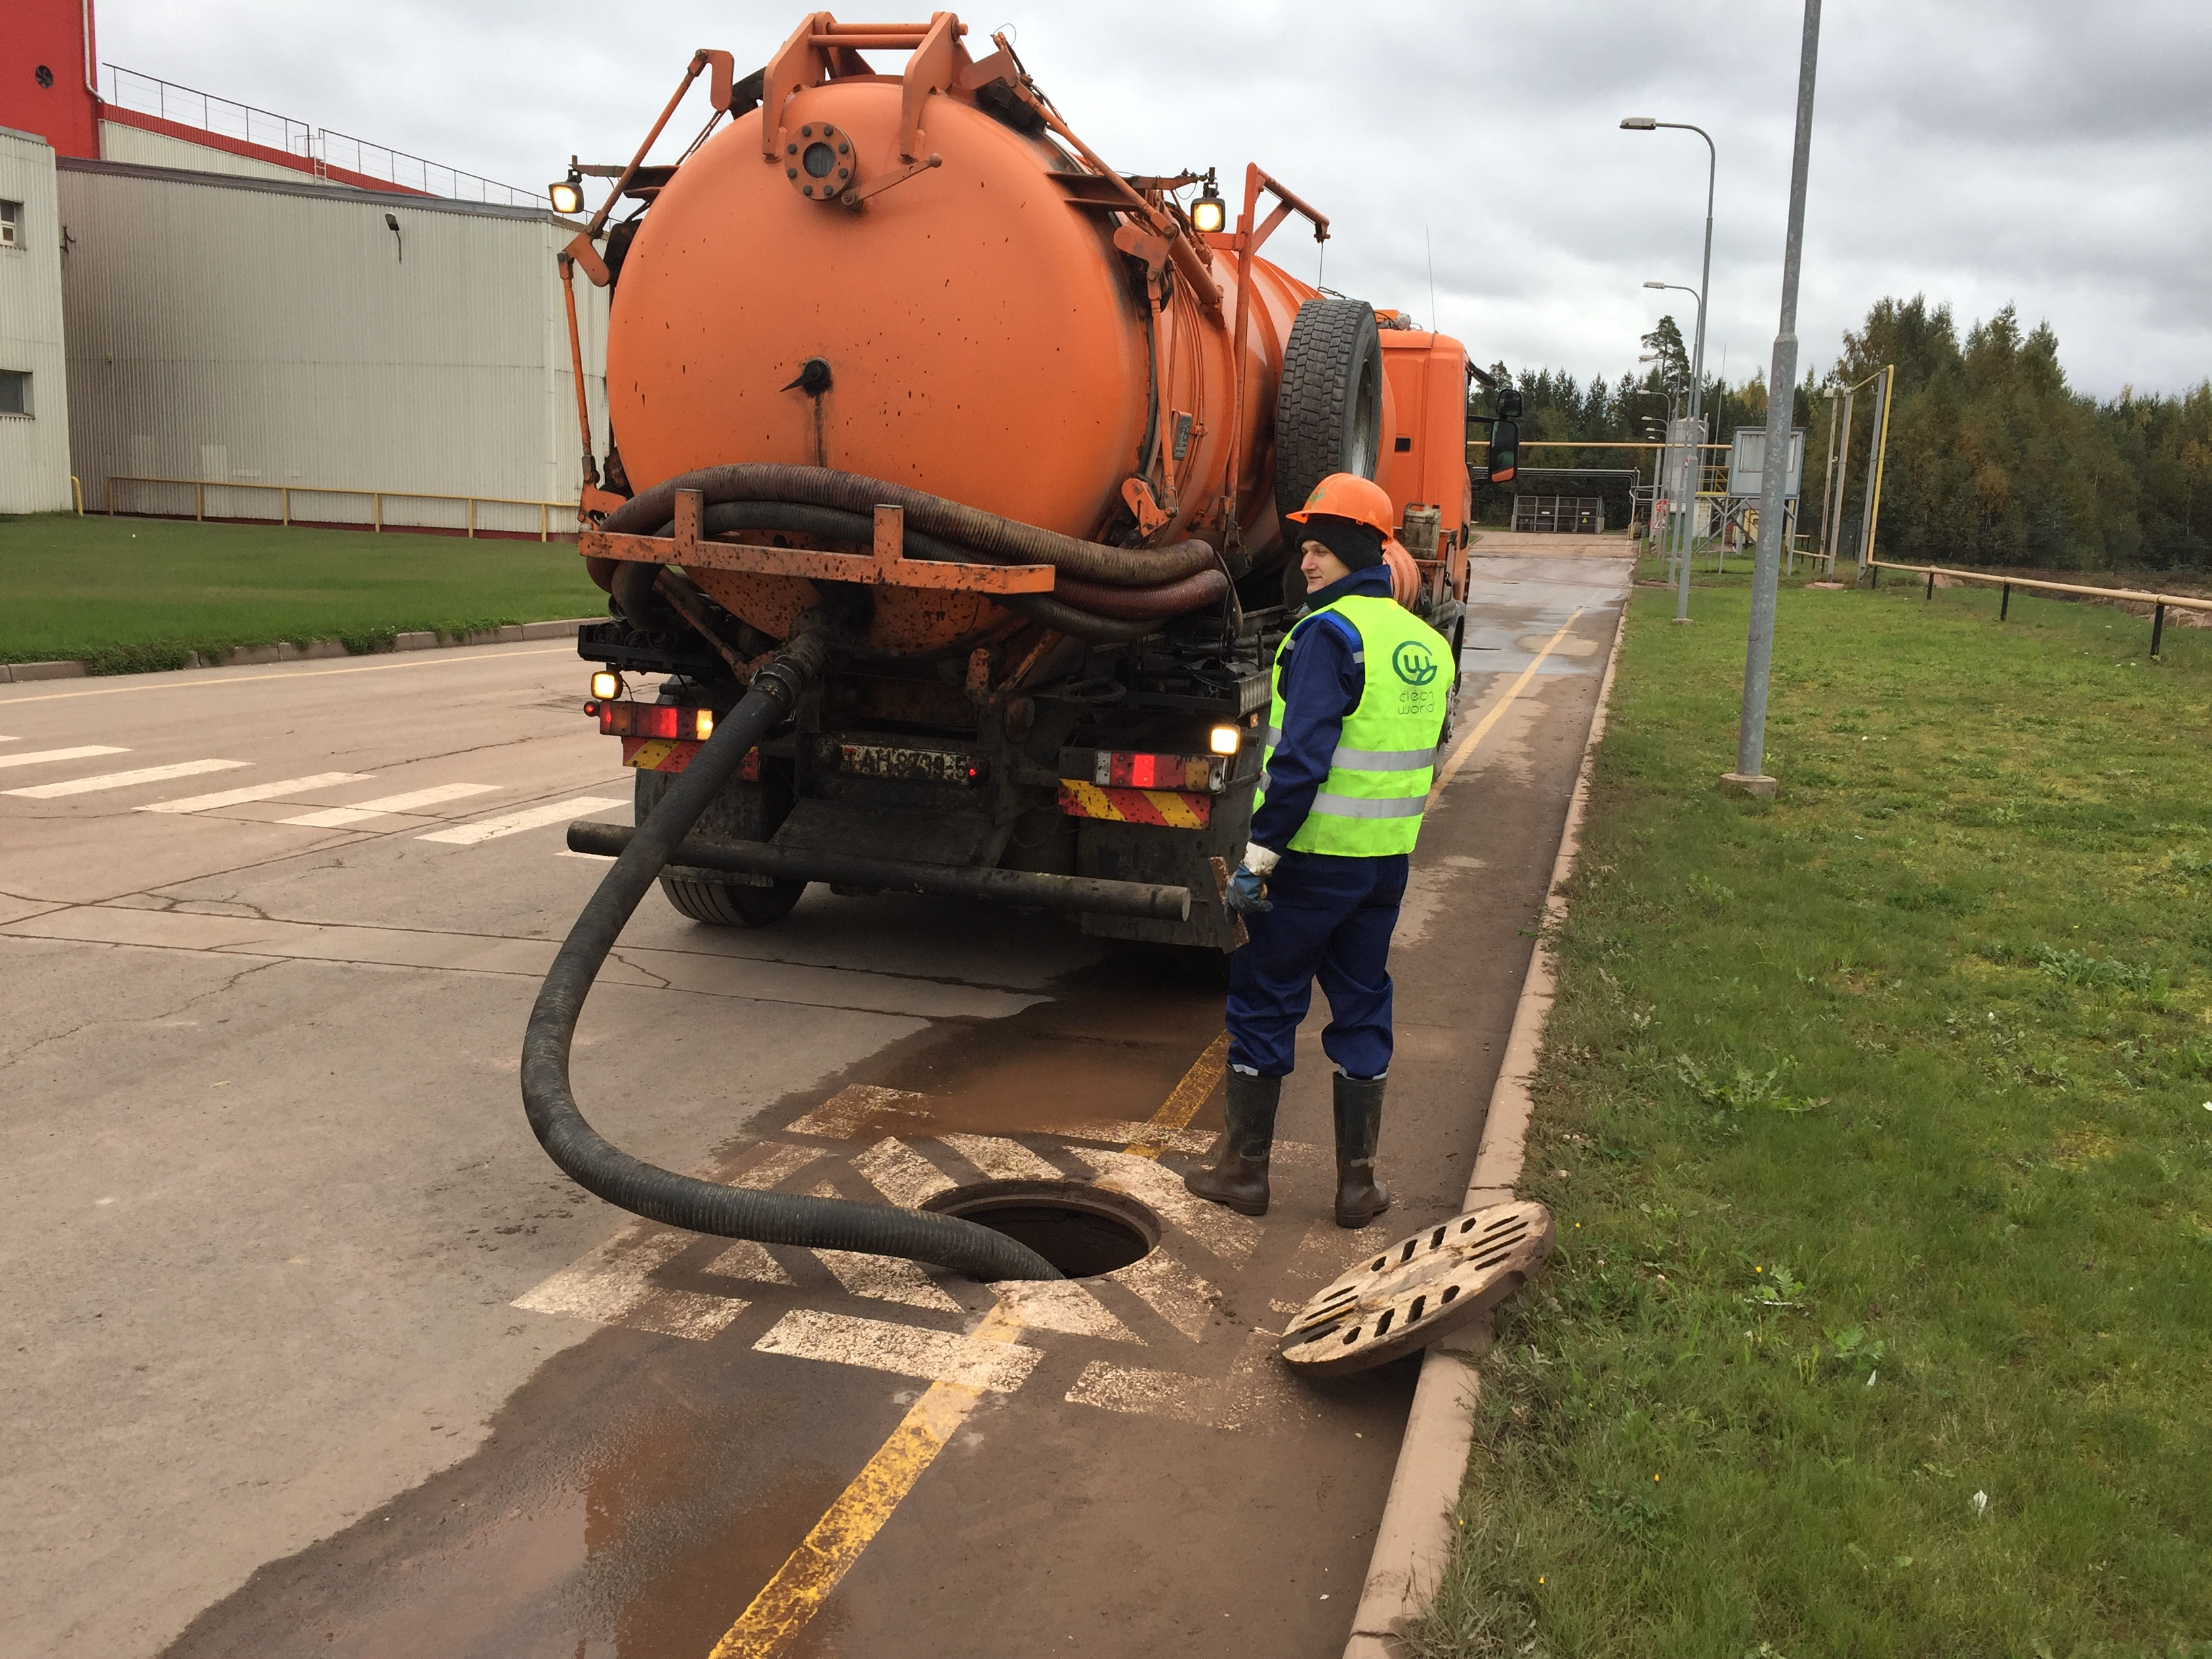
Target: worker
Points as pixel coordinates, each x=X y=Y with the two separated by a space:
x=1361 y=687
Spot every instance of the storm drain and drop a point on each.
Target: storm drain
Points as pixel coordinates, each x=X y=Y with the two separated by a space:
x=1083 y=1230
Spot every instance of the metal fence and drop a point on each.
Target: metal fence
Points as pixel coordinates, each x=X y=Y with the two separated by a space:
x=319 y=146
x=375 y=498
x=2159 y=602
x=1568 y=515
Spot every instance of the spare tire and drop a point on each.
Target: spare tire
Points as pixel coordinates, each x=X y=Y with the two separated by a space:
x=1328 y=416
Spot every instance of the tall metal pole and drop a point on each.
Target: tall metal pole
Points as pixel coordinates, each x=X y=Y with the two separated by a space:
x=1774 y=480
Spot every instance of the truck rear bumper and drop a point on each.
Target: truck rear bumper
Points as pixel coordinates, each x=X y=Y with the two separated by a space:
x=1088 y=895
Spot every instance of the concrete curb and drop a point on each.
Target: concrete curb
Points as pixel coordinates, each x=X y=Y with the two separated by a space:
x=285 y=651
x=1414 y=1540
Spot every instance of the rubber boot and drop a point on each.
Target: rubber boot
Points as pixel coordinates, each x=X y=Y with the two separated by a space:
x=1360 y=1197
x=1238 y=1177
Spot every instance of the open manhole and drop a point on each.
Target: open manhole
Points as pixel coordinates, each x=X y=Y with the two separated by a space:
x=1083 y=1230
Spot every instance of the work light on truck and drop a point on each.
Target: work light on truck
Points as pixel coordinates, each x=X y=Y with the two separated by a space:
x=1224 y=739
x=605 y=685
x=1208 y=213
x=567 y=197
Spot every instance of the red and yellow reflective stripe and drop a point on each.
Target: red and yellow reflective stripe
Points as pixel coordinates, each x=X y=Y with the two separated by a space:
x=1170 y=809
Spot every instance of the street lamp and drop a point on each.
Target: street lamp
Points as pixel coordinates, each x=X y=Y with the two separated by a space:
x=1689 y=536
x=1647 y=124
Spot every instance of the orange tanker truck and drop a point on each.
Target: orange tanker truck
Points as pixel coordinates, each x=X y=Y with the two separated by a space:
x=973 y=451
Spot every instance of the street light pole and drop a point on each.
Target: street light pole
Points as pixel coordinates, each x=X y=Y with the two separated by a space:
x=1749 y=778
x=1647 y=124
x=1695 y=462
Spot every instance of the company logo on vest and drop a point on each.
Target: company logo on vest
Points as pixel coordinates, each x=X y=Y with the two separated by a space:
x=1414 y=663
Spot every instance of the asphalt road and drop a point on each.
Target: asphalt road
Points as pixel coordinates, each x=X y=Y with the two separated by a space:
x=310 y=1349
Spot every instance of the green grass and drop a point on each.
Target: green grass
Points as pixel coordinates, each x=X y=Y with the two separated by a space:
x=1874 y=1123
x=131 y=594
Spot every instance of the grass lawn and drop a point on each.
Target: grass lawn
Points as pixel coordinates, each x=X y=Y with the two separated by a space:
x=129 y=594
x=1876 y=1121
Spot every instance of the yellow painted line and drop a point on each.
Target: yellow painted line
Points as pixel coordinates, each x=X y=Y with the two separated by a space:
x=788 y=1600
x=433 y=660
x=1190 y=1094
x=1466 y=747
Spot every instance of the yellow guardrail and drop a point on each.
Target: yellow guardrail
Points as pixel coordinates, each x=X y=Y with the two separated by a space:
x=2159 y=602
x=376 y=499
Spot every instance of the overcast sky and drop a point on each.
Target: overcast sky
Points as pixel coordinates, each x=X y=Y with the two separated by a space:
x=2051 y=156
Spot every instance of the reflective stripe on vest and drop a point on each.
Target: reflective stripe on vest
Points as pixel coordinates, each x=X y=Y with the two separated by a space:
x=1370 y=803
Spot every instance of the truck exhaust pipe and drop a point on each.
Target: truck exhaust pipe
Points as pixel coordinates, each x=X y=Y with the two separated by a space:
x=677 y=1201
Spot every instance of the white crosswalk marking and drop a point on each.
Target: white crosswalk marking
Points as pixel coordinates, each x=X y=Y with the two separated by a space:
x=1059 y=1305
x=258 y=791
x=532 y=818
x=1170 y=1290
x=840 y=1117
x=900 y=1173
x=125 y=780
x=1228 y=1234
x=1002 y=1159
x=932 y=1356
x=40 y=757
x=335 y=818
x=747 y=1261
x=886 y=1279
x=777 y=1163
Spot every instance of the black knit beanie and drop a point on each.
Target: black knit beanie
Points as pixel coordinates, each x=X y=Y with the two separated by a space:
x=1356 y=545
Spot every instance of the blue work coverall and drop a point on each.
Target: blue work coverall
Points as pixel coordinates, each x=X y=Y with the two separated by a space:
x=1333 y=916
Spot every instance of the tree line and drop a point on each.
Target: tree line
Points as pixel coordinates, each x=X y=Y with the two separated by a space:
x=1993 y=458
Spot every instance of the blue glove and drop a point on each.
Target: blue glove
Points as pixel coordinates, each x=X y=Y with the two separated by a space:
x=1247 y=894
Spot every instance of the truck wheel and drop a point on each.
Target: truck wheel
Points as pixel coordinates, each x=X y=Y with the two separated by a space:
x=697 y=894
x=1328 y=417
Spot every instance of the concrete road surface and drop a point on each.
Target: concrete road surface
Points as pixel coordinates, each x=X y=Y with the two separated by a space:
x=310 y=1350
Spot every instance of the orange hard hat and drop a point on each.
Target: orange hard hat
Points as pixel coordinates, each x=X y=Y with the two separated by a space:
x=1348 y=495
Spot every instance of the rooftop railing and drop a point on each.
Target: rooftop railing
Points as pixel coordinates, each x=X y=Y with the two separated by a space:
x=319 y=146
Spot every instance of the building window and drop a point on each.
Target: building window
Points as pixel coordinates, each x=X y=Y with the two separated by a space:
x=15 y=391
x=11 y=224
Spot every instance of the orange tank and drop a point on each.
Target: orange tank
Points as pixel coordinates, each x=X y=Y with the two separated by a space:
x=999 y=324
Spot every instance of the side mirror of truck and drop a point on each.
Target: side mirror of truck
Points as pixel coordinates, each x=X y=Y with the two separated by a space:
x=1504 y=450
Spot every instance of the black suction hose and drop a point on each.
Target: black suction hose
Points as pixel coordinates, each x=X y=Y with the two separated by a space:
x=705 y=1206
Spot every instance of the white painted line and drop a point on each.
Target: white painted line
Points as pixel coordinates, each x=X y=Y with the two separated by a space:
x=126 y=780
x=531 y=818
x=1170 y=1290
x=612 y=1284
x=337 y=816
x=1113 y=1134
x=932 y=1356
x=750 y=1261
x=258 y=791
x=778 y=1163
x=1141 y=1391
x=1228 y=1234
x=840 y=1117
x=900 y=1173
x=605 y=1283
x=1001 y=1159
x=40 y=756
x=1059 y=1305
x=886 y=1279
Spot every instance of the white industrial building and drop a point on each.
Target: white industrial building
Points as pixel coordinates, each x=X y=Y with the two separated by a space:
x=275 y=347
x=210 y=310
x=34 y=425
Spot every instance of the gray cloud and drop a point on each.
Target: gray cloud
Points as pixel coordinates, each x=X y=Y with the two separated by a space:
x=1985 y=152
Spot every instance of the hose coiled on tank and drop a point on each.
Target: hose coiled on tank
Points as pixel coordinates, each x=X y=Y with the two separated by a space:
x=662 y=1195
x=1086 y=611
x=977 y=533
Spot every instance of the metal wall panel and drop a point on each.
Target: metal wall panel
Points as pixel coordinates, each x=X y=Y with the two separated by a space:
x=252 y=333
x=34 y=449
x=122 y=143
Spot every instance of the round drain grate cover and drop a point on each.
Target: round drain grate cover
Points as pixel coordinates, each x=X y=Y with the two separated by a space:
x=1419 y=1289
